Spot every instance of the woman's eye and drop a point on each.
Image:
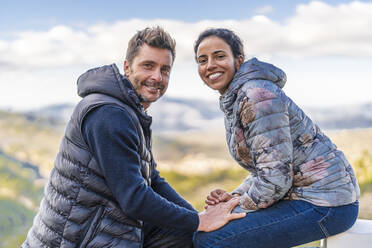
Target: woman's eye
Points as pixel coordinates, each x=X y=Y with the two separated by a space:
x=147 y=66
x=202 y=61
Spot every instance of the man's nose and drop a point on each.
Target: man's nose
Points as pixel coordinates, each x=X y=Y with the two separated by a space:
x=156 y=75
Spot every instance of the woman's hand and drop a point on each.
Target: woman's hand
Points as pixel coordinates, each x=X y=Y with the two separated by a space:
x=216 y=216
x=218 y=195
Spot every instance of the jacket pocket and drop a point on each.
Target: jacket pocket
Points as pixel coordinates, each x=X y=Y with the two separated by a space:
x=92 y=227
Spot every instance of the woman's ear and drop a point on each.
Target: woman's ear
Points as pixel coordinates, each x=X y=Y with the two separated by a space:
x=239 y=61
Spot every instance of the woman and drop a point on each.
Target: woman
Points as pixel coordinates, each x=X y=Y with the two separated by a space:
x=300 y=187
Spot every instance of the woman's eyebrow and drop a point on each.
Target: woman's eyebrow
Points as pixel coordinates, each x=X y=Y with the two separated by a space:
x=218 y=51
x=201 y=56
x=215 y=52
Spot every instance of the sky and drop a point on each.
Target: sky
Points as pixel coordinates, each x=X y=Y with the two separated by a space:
x=325 y=47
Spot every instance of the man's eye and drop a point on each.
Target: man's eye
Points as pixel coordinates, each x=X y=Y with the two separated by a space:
x=166 y=71
x=147 y=66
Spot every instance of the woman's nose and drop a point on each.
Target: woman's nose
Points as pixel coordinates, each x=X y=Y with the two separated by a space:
x=211 y=64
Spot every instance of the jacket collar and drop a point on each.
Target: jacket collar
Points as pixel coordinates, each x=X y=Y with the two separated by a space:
x=252 y=69
x=108 y=80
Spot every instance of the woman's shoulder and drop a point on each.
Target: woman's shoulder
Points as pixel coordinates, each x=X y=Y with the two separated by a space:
x=259 y=90
x=257 y=70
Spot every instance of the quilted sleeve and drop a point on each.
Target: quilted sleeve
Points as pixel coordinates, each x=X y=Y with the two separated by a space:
x=264 y=119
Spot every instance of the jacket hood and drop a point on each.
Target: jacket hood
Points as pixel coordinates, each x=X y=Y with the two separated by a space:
x=254 y=69
x=108 y=80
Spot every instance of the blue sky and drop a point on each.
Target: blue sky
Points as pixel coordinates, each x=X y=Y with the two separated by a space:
x=37 y=14
x=41 y=14
x=325 y=47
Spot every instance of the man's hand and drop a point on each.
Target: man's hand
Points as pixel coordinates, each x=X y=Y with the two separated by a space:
x=216 y=196
x=216 y=216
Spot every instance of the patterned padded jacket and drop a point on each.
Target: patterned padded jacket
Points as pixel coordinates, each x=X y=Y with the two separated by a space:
x=287 y=155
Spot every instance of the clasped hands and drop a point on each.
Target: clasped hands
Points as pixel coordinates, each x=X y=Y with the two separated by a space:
x=217 y=212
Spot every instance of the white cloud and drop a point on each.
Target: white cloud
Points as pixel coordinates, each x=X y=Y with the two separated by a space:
x=319 y=29
x=316 y=30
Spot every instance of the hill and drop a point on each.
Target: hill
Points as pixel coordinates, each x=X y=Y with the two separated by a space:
x=179 y=115
x=189 y=147
x=19 y=199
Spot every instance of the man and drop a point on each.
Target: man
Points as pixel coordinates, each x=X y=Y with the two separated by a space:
x=104 y=190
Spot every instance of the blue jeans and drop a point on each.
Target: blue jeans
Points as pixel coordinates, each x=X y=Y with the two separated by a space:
x=285 y=224
x=162 y=237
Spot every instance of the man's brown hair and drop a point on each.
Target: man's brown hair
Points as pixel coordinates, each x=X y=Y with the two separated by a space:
x=155 y=37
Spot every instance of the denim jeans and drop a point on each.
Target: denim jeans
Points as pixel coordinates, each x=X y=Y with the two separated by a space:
x=161 y=237
x=285 y=224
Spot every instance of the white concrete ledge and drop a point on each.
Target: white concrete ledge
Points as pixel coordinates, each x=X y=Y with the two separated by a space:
x=358 y=236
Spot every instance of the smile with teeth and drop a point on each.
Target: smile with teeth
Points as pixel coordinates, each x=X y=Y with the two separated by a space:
x=153 y=87
x=214 y=76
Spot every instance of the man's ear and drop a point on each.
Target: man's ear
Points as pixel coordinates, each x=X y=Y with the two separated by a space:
x=126 y=68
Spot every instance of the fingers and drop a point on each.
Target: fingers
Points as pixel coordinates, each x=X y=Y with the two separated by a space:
x=217 y=192
x=225 y=197
x=235 y=216
x=211 y=200
x=216 y=196
x=233 y=203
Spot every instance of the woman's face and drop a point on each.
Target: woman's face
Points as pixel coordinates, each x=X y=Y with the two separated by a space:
x=216 y=63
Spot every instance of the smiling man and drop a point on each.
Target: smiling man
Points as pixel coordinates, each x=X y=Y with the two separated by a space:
x=104 y=189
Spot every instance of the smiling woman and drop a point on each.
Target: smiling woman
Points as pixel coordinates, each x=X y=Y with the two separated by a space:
x=217 y=63
x=300 y=188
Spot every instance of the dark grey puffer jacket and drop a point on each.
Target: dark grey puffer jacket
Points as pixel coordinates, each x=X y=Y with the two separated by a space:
x=78 y=209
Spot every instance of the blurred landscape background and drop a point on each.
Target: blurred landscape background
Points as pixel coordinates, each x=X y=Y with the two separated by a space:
x=189 y=147
x=323 y=46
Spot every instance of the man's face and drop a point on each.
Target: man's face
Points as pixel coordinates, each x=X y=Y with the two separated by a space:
x=149 y=73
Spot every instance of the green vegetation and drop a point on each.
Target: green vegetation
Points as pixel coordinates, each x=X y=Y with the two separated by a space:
x=19 y=196
x=363 y=170
x=30 y=139
x=195 y=187
x=29 y=145
x=15 y=220
x=18 y=180
x=174 y=148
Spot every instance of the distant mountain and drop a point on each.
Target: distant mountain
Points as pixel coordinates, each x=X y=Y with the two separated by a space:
x=169 y=114
x=174 y=114
x=342 y=117
x=177 y=114
x=56 y=114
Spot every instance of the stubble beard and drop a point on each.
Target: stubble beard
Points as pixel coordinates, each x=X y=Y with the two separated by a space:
x=142 y=97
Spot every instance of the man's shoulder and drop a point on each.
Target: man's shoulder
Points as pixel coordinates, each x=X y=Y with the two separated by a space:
x=110 y=121
x=110 y=113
